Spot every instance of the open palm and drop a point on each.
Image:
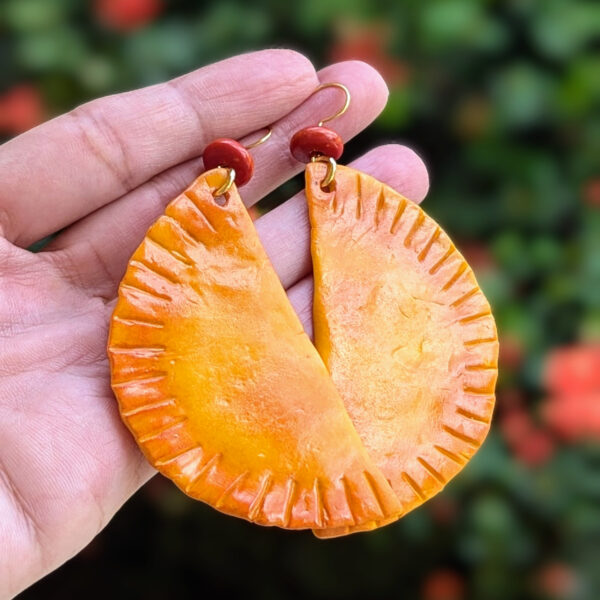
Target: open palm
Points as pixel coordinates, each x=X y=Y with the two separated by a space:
x=101 y=174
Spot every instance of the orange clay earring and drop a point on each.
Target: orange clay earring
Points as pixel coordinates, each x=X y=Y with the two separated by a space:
x=400 y=322
x=221 y=388
x=226 y=395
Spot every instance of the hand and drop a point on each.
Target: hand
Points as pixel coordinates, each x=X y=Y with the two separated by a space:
x=102 y=174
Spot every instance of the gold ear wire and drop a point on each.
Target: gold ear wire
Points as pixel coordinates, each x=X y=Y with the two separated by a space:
x=344 y=108
x=331 y=163
x=260 y=141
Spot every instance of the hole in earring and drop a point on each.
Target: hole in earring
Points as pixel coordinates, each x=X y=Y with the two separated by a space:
x=328 y=182
x=221 y=194
x=328 y=188
x=222 y=199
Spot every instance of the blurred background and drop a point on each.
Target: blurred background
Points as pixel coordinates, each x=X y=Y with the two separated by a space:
x=502 y=99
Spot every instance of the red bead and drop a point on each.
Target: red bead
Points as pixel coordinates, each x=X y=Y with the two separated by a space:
x=314 y=141
x=229 y=154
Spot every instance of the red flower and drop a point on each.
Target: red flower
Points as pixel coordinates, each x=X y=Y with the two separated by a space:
x=591 y=192
x=125 y=15
x=574 y=417
x=557 y=580
x=444 y=584
x=530 y=444
x=573 y=378
x=573 y=370
x=21 y=108
x=368 y=43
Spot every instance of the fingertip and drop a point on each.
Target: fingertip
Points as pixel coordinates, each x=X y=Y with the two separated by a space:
x=401 y=168
x=373 y=84
x=294 y=70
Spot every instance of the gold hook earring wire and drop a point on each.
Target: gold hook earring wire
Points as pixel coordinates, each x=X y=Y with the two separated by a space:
x=344 y=108
x=262 y=140
x=223 y=189
x=331 y=163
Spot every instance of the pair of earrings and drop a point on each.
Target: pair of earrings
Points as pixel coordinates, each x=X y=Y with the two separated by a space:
x=227 y=396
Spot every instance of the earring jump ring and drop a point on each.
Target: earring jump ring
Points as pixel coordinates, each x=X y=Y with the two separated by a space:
x=331 y=168
x=226 y=186
x=344 y=108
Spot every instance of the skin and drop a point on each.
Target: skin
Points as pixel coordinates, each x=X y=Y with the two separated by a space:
x=103 y=173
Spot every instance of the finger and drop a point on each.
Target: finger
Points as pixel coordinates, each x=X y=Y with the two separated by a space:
x=66 y=168
x=285 y=231
x=98 y=247
x=301 y=298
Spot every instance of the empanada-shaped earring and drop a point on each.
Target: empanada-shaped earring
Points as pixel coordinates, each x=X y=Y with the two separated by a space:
x=226 y=395
x=216 y=379
x=400 y=322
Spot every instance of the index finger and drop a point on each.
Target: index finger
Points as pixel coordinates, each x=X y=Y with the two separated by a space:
x=66 y=168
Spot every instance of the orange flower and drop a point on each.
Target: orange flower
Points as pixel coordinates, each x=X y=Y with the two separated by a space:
x=591 y=192
x=21 y=108
x=443 y=584
x=125 y=15
x=367 y=42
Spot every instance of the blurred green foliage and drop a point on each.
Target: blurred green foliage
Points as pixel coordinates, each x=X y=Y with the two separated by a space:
x=502 y=100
